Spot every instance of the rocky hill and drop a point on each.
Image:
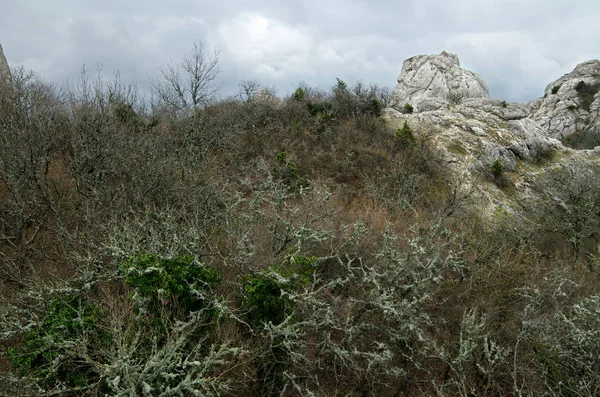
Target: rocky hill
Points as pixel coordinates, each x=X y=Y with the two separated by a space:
x=570 y=108
x=508 y=154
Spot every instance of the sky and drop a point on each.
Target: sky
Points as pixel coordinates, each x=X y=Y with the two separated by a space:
x=517 y=46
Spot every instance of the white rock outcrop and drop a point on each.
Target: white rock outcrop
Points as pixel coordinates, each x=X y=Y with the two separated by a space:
x=569 y=105
x=4 y=69
x=429 y=82
x=474 y=132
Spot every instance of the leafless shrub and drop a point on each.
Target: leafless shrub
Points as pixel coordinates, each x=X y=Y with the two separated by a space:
x=455 y=97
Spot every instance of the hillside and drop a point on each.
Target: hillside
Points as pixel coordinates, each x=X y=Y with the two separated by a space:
x=358 y=242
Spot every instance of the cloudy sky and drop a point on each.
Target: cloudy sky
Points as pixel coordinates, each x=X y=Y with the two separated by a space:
x=517 y=46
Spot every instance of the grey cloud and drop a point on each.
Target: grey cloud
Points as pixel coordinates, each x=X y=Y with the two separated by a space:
x=517 y=46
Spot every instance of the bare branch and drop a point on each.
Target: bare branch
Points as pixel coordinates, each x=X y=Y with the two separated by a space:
x=189 y=84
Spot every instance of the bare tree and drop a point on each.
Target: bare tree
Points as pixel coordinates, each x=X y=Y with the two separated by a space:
x=576 y=215
x=248 y=90
x=189 y=84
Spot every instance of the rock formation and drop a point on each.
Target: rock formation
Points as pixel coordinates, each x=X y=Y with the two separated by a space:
x=571 y=104
x=4 y=69
x=429 y=82
x=453 y=108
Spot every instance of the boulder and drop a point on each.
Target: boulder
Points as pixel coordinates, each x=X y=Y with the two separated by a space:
x=430 y=82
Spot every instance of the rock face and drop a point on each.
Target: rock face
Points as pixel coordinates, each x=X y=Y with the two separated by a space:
x=429 y=82
x=4 y=69
x=571 y=104
x=470 y=134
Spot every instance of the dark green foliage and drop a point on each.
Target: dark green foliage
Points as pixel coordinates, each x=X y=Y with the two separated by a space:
x=586 y=139
x=555 y=89
x=322 y=109
x=262 y=296
x=586 y=93
x=262 y=291
x=265 y=303
x=504 y=104
x=286 y=172
x=405 y=137
x=281 y=157
x=70 y=320
x=300 y=270
x=344 y=101
x=373 y=108
x=297 y=126
x=299 y=95
x=555 y=373
x=408 y=108
x=497 y=169
x=180 y=279
x=126 y=114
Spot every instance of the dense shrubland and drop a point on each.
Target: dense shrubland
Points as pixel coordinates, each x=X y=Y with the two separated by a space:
x=271 y=246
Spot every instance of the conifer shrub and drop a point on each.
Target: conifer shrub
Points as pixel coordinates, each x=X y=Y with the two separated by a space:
x=497 y=169
x=372 y=108
x=405 y=137
x=499 y=176
x=408 y=108
x=299 y=94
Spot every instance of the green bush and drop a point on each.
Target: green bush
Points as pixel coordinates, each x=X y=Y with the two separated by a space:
x=320 y=108
x=585 y=139
x=53 y=350
x=178 y=280
x=287 y=173
x=408 y=108
x=299 y=95
x=405 y=136
x=555 y=89
x=262 y=291
x=504 y=104
x=497 y=169
x=586 y=93
x=263 y=298
x=281 y=157
x=373 y=108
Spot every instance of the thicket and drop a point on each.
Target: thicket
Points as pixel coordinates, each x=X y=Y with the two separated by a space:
x=270 y=246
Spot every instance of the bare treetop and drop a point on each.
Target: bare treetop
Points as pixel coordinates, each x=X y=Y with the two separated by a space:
x=189 y=84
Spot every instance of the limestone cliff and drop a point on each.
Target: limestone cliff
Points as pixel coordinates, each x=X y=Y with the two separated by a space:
x=571 y=104
x=428 y=82
x=472 y=131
